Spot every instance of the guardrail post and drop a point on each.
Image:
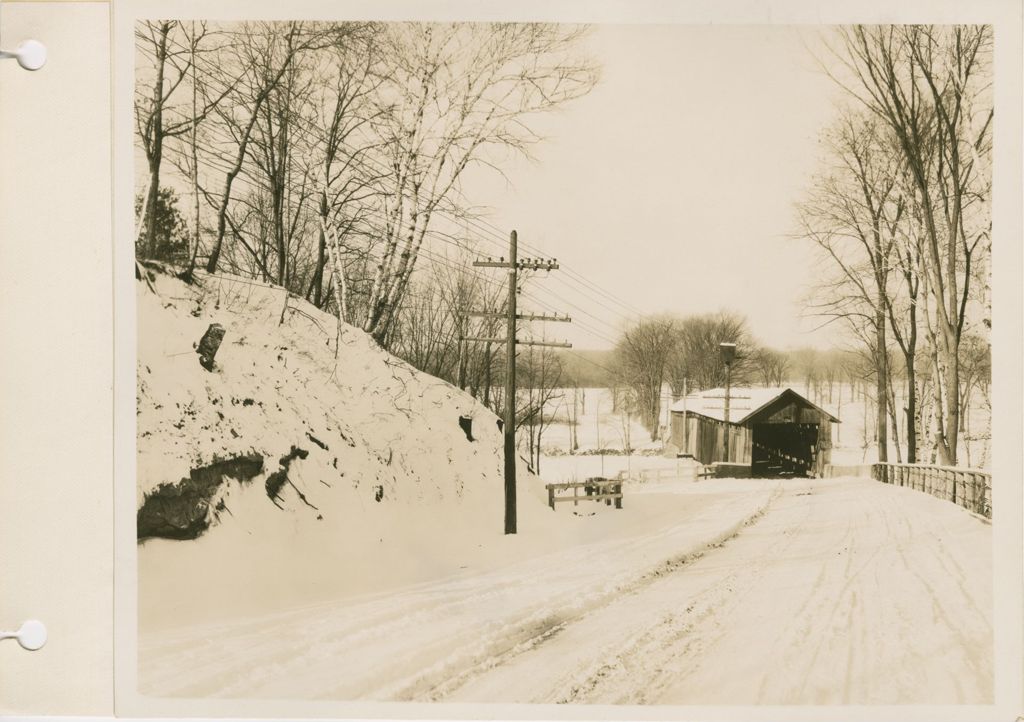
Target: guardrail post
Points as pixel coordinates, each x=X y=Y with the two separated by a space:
x=551 y=496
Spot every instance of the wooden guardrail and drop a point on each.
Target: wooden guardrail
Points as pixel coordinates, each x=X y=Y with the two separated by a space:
x=645 y=476
x=969 y=488
x=594 y=489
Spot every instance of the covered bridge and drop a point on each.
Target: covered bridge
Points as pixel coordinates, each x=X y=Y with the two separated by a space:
x=773 y=431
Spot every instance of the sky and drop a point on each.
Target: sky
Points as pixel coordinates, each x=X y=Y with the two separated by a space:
x=672 y=184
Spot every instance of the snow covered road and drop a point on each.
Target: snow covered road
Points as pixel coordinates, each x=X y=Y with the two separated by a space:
x=816 y=592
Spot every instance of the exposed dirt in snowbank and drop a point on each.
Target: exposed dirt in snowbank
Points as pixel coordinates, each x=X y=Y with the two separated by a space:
x=183 y=510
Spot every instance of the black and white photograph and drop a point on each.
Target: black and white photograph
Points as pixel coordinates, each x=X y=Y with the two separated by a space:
x=614 y=365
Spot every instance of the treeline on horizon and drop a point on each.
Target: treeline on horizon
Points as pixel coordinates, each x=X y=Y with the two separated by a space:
x=805 y=369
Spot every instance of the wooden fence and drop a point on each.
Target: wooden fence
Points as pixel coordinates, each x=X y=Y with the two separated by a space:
x=596 y=489
x=647 y=475
x=968 y=488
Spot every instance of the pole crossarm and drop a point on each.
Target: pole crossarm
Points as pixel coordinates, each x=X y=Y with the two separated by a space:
x=521 y=316
x=553 y=344
x=523 y=264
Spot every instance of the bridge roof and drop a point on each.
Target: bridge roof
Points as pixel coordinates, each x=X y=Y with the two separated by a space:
x=744 y=403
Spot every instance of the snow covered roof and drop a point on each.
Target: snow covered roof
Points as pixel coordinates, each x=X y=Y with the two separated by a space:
x=744 y=402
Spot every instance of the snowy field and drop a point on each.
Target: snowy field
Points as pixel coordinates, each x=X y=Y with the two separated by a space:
x=725 y=591
x=600 y=427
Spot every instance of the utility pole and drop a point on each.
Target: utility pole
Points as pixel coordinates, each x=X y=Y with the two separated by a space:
x=510 y=385
x=575 y=443
x=514 y=265
x=686 y=424
x=728 y=351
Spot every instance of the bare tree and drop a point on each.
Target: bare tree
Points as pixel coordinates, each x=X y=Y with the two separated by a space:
x=152 y=38
x=168 y=55
x=263 y=54
x=902 y=304
x=931 y=87
x=454 y=93
x=696 y=356
x=642 y=358
x=541 y=380
x=852 y=218
x=345 y=84
x=772 y=367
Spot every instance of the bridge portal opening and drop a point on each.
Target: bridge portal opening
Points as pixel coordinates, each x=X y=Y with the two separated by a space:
x=786 y=449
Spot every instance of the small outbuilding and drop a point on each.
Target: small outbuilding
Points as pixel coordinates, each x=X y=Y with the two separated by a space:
x=772 y=431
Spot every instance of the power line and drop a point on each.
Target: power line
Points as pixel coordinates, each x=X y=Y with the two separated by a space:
x=450 y=263
x=304 y=128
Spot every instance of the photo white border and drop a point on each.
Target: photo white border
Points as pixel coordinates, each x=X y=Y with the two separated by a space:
x=1003 y=15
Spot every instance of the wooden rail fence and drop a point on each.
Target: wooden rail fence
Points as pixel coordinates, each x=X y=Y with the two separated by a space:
x=595 y=489
x=968 y=488
x=645 y=476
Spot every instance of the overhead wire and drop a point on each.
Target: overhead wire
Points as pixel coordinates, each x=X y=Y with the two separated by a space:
x=487 y=232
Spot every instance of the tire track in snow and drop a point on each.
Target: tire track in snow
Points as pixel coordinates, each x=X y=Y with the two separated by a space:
x=596 y=659
x=777 y=617
x=446 y=678
x=418 y=639
x=650 y=654
x=844 y=599
x=950 y=621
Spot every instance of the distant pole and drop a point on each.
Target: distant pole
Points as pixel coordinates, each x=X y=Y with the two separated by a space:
x=510 y=387
x=666 y=401
x=728 y=385
x=575 y=418
x=728 y=351
x=629 y=451
x=686 y=423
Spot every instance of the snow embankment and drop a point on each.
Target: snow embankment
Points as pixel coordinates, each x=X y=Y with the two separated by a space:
x=283 y=464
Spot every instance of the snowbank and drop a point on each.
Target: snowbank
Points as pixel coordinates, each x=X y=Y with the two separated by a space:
x=362 y=450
